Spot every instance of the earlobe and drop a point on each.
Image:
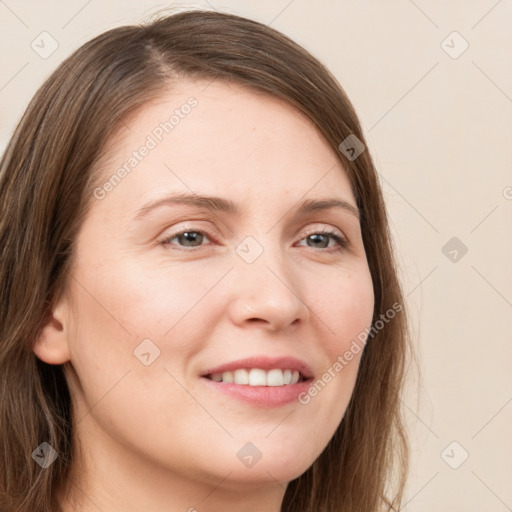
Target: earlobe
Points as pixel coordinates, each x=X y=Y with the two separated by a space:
x=52 y=343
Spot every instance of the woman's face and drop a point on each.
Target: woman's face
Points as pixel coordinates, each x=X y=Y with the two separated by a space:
x=153 y=316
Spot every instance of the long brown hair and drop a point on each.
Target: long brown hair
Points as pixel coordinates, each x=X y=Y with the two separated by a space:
x=46 y=187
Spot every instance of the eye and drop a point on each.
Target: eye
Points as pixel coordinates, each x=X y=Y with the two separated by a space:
x=322 y=237
x=193 y=238
x=190 y=238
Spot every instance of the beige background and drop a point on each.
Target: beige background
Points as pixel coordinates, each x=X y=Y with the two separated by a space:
x=440 y=131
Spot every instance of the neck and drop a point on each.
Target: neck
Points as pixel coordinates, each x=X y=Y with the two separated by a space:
x=111 y=480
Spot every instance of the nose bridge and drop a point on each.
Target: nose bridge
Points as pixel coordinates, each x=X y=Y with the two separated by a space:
x=264 y=286
x=260 y=251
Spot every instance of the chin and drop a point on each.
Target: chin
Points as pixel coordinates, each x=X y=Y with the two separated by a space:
x=267 y=473
x=263 y=462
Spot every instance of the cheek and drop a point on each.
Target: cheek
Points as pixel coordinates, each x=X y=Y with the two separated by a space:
x=344 y=305
x=344 y=310
x=125 y=299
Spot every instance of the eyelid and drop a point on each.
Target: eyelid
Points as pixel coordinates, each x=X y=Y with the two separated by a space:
x=327 y=228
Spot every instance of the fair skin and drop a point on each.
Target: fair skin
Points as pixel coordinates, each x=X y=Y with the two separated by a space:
x=159 y=437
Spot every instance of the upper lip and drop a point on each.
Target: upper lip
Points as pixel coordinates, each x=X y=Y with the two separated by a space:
x=265 y=363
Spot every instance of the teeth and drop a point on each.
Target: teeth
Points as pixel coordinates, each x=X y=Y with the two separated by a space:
x=275 y=378
x=258 y=377
x=241 y=376
x=227 y=377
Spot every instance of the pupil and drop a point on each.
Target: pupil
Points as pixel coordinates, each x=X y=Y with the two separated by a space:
x=191 y=236
x=316 y=237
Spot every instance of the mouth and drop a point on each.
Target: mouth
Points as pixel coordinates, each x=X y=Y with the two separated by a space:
x=261 y=381
x=274 y=377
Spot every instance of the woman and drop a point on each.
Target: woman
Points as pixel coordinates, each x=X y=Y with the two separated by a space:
x=200 y=307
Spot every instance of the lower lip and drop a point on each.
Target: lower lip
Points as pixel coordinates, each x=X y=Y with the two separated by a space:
x=261 y=396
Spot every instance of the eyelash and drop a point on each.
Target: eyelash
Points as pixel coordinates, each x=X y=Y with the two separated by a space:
x=343 y=243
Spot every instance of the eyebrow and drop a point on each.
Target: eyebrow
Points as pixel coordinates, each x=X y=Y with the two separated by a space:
x=219 y=204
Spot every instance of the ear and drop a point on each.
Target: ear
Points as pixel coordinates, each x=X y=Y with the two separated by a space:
x=52 y=342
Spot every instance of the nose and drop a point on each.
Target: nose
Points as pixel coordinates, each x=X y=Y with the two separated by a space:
x=267 y=292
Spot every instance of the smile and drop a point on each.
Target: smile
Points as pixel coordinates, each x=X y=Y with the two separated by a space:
x=258 y=377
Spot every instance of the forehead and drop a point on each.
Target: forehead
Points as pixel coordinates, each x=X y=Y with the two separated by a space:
x=220 y=136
